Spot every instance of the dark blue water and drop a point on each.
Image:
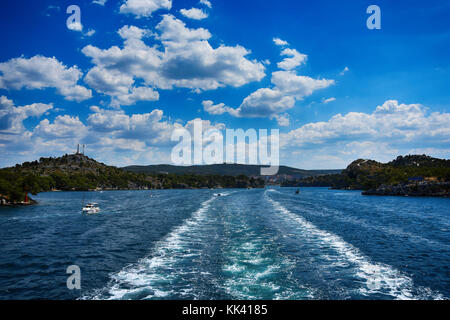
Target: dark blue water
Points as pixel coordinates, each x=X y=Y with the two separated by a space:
x=246 y=244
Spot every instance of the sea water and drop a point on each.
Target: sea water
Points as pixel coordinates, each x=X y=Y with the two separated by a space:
x=245 y=244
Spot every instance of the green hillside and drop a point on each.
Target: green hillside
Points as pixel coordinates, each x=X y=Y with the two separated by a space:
x=78 y=172
x=370 y=175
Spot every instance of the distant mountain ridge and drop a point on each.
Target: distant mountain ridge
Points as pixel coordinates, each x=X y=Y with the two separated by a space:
x=226 y=169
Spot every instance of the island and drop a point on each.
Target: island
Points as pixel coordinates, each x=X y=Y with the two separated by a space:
x=411 y=175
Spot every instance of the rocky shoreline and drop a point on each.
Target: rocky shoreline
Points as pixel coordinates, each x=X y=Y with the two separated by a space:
x=4 y=202
x=421 y=189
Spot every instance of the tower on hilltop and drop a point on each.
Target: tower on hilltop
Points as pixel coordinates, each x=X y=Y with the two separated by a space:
x=78 y=149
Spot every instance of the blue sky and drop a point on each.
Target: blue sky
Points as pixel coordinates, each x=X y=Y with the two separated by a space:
x=135 y=71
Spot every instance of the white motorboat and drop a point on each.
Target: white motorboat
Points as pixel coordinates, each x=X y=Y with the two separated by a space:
x=91 y=208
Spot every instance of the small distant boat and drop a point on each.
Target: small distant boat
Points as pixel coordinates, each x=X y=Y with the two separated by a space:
x=297 y=191
x=91 y=208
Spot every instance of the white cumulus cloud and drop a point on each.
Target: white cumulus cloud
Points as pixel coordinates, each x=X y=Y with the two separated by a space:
x=206 y=3
x=185 y=59
x=391 y=129
x=90 y=33
x=144 y=8
x=194 y=13
x=63 y=127
x=218 y=109
x=283 y=120
x=100 y=2
x=288 y=87
x=280 y=42
x=295 y=59
x=75 y=26
x=326 y=101
x=12 y=117
x=41 y=72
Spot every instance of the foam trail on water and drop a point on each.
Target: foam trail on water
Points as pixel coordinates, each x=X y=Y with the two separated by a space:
x=377 y=277
x=254 y=270
x=154 y=276
x=252 y=266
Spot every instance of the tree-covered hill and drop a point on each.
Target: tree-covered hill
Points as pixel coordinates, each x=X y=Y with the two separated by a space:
x=77 y=172
x=370 y=175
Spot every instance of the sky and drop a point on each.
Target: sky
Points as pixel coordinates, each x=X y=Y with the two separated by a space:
x=129 y=72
